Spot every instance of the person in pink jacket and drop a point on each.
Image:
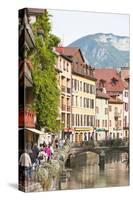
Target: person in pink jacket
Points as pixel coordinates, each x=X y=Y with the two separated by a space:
x=47 y=150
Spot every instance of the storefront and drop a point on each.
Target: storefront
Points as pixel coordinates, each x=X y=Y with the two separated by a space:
x=83 y=134
x=101 y=134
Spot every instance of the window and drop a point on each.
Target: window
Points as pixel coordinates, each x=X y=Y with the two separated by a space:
x=73 y=84
x=110 y=108
x=110 y=123
x=102 y=123
x=87 y=120
x=67 y=66
x=80 y=85
x=80 y=101
x=81 y=120
x=72 y=100
x=77 y=85
x=84 y=87
x=98 y=123
x=120 y=123
x=64 y=67
x=106 y=123
x=91 y=120
x=91 y=103
x=126 y=107
x=76 y=100
x=78 y=120
x=72 y=119
x=116 y=109
x=106 y=101
x=126 y=94
x=97 y=109
x=106 y=111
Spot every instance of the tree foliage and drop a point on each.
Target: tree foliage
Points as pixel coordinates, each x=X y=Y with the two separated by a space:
x=46 y=91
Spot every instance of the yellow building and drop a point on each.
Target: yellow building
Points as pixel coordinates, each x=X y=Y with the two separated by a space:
x=83 y=107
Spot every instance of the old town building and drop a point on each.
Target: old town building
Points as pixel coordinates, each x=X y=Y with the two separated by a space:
x=117 y=89
x=102 y=116
x=63 y=68
x=28 y=132
x=83 y=95
x=115 y=118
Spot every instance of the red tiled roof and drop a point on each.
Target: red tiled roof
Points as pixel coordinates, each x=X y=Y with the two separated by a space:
x=115 y=100
x=108 y=75
x=102 y=95
x=69 y=51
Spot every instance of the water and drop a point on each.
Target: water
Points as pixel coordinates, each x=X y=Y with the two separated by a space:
x=85 y=171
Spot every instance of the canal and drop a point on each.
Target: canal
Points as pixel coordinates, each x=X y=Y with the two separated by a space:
x=84 y=171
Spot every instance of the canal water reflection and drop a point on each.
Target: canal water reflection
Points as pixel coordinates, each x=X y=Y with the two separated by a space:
x=85 y=172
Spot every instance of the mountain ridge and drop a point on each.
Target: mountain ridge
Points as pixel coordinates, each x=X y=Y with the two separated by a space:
x=104 y=50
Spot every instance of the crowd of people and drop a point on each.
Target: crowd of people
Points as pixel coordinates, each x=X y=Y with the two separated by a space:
x=44 y=153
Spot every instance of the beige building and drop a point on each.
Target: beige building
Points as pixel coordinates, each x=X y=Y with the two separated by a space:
x=63 y=67
x=115 y=118
x=102 y=117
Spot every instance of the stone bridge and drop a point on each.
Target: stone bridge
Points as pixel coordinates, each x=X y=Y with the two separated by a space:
x=98 y=150
x=101 y=151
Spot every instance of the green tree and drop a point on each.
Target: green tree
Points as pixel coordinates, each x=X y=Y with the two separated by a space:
x=46 y=91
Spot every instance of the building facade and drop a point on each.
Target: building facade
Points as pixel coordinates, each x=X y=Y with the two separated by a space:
x=64 y=76
x=102 y=116
x=116 y=118
x=83 y=95
x=117 y=89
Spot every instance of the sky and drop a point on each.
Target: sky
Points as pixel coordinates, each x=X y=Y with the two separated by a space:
x=72 y=25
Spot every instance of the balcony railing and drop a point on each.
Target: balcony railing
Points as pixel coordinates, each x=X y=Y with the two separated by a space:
x=26 y=118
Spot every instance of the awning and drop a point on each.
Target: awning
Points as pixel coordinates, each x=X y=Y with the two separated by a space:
x=34 y=131
x=100 y=129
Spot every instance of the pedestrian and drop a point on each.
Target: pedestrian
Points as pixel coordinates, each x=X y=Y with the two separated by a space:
x=35 y=152
x=56 y=143
x=26 y=165
x=42 y=155
x=47 y=150
x=60 y=144
x=52 y=149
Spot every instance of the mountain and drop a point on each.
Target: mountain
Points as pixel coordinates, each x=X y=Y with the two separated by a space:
x=104 y=50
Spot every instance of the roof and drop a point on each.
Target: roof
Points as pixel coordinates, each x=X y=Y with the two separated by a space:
x=107 y=74
x=102 y=95
x=69 y=51
x=115 y=100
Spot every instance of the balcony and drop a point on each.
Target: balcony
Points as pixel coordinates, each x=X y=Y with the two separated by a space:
x=26 y=118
